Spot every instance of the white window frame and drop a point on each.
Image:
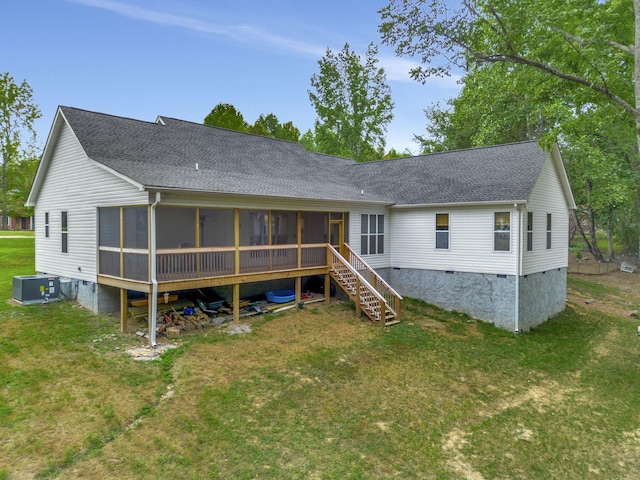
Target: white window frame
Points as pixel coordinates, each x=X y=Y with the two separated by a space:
x=46 y=224
x=443 y=233
x=549 y=225
x=500 y=229
x=529 y=231
x=64 y=231
x=371 y=242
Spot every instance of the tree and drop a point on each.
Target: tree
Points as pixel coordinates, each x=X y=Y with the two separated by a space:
x=226 y=116
x=270 y=126
x=588 y=46
x=588 y=43
x=353 y=104
x=17 y=115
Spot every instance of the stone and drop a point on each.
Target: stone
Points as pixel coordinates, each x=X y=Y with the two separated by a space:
x=172 y=332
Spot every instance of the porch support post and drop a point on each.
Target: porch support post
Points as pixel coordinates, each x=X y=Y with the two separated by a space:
x=124 y=314
x=327 y=288
x=298 y=289
x=236 y=237
x=299 y=237
x=236 y=302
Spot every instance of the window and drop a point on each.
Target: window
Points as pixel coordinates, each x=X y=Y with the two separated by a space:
x=65 y=232
x=529 y=231
x=502 y=232
x=46 y=224
x=548 y=231
x=371 y=234
x=442 y=230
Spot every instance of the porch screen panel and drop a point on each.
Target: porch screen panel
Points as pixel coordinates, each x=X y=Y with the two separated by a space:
x=175 y=227
x=136 y=229
x=109 y=227
x=109 y=263
x=254 y=227
x=283 y=228
x=136 y=266
x=216 y=227
x=314 y=227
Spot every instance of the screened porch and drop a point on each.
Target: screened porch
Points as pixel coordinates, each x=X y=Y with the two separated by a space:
x=192 y=243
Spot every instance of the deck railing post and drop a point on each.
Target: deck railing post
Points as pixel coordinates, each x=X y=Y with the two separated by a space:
x=358 y=304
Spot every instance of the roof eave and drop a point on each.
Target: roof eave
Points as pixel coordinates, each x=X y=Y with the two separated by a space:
x=152 y=188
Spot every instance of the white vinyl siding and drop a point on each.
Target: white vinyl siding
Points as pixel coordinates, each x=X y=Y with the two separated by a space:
x=470 y=249
x=77 y=185
x=548 y=197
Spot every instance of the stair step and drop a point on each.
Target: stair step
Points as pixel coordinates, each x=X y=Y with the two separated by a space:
x=391 y=322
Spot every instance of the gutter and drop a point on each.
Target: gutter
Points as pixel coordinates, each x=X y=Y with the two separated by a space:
x=154 y=279
x=460 y=204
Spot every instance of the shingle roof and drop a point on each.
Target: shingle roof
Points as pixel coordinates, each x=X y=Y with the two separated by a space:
x=164 y=154
x=488 y=174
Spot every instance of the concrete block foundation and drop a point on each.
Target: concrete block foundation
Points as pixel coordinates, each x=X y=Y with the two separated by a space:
x=487 y=297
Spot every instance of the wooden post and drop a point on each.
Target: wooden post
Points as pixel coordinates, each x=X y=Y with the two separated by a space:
x=236 y=236
x=236 y=302
x=197 y=242
x=298 y=289
x=299 y=237
x=121 y=242
x=383 y=314
x=357 y=299
x=124 y=314
x=327 y=288
x=327 y=279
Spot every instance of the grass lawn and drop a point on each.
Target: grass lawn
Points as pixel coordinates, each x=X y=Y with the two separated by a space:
x=318 y=394
x=17 y=233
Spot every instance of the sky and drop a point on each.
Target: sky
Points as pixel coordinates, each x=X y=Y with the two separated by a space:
x=180 y=58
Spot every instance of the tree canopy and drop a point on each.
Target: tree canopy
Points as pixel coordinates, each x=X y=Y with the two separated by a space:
x=353 y=104
x=589 y=44
x=227 y=116
x=18 y=112
x=556 y=71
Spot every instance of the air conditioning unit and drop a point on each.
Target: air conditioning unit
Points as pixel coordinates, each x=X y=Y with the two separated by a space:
x=30 y=289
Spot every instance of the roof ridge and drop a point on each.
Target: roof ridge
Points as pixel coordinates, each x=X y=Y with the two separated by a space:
x=93 y=112
x=457 y=150
x=227 y=129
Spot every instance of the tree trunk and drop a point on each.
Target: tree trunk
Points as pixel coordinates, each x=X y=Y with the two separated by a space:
x=592 y=244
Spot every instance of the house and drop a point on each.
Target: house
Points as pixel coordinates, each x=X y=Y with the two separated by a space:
x=128 y=205
x=16 y=223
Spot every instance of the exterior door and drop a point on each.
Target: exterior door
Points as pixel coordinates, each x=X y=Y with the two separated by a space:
x=336 y=234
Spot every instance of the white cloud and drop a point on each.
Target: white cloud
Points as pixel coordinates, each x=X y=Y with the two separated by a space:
x=241 y=33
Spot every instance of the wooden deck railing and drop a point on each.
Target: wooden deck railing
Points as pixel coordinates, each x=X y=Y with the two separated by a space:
x=360 y=290
x=393 y=298
x=191 y=263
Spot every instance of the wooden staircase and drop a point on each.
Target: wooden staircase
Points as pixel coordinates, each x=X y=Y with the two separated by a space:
x=371 y=294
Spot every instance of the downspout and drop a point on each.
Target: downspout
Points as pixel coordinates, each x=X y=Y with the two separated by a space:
x=154 y=279
x=518 y=269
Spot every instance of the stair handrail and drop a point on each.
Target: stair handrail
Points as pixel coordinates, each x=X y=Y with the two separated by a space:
x=363 y=281
x=373 y=272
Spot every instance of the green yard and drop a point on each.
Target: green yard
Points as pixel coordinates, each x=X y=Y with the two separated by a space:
x=318 y=394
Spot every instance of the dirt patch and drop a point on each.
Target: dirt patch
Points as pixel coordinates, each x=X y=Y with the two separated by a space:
x=623 y=302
